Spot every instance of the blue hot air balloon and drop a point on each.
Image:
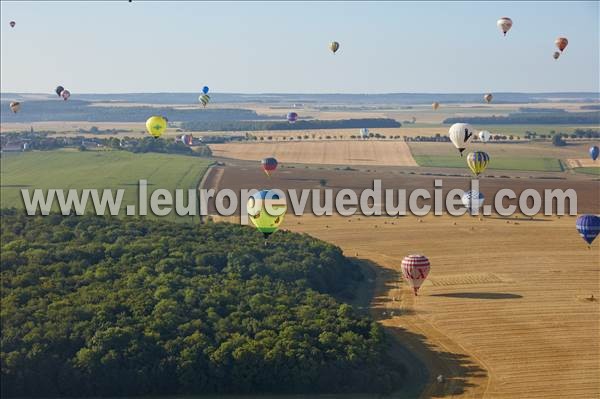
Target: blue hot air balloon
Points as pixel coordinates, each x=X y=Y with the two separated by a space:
x=205 y=90
x=589 y=227
x=594 y=152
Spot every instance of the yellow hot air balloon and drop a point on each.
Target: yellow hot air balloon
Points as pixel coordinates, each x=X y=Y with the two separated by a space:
x=15 y=106
x=156 y=126
x=259 y=206
x=435 y=105
x=334 y=46
x=478 y=161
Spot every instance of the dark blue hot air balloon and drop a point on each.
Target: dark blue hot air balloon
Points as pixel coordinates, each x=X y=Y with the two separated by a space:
x=594 y=152
x=205 y=90
x=588 y=227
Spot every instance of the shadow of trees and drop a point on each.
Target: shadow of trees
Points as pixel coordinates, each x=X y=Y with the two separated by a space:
x=413 y=349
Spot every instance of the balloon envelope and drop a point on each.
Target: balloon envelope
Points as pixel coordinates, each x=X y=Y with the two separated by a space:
x=259 y=206
x=484 y=136
x=58 y=90
x=594 y=152
x=156 y=125
x=334 y=46
x=205 y=90
x=415 y=269
x=461 y=134
x=435 y=105
x=12 y=24
x=478 y=161
x=556 y=55
x=473 y=200
x=561 y=43
x=588 y=227
x=204 y=99
x=364 y=133
x=292 y=117
x=187 y=139
x=488 y=98
x=15 y=106
x=269 y=165
x=65 y=94
x=504 y=24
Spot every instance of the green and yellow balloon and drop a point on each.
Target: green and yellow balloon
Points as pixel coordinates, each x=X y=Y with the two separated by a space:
x=478 y=161
x=156 y=126
x=266 y=210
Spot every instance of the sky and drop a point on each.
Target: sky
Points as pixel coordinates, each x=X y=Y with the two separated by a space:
x=282 y=47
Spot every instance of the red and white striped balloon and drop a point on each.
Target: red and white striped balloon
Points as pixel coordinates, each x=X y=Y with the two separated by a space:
x=415 y=269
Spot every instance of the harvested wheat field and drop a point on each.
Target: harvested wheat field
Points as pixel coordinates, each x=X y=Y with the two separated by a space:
x=583 y=163
x=505 y=312
x=392 y=153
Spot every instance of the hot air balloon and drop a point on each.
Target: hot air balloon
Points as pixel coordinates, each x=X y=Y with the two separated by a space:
x=187 y=139
x=473 y=200
x=292 y=117
x=556 y=55
x=435 y=105
x=504 y=24
x=461 y=134
x=156 y=125
x=484 y=136
x=594 y=152
x=334 y=46
x=15 y=106
x=12 y=24
x=204 y=99
x=415 y=269
x=488 y=98
x=364 y=133
x=258 y=208
x=269 y=165
x=58 y=90
x=588 y=227
x=478 y=161
x=65 y=94
x=205 y=90
x=561 y=43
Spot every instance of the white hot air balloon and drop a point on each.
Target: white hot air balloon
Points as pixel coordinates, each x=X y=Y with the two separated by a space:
x=364 y=133
x=473 y=200
x=484 y=136
x=461 y=134
x=504 y=24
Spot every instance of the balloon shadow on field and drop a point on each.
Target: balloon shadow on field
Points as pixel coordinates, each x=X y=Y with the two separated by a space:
x=422 y=360
x=479 y=295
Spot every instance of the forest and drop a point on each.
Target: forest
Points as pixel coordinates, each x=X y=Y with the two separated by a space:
x=97 y=306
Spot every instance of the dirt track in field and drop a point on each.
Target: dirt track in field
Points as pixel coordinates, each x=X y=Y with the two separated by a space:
x=343 y=152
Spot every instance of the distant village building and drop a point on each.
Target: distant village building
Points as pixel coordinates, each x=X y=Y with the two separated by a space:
x=14 y=147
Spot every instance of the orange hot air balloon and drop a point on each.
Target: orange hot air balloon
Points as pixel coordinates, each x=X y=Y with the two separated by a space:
x=561 y=43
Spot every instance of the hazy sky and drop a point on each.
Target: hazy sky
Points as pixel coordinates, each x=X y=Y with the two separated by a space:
x=152 y=46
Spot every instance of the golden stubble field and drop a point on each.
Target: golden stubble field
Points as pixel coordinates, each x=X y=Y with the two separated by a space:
x=505 y=311
x=343 y=152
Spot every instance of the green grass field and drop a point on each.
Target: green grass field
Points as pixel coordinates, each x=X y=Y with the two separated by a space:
x=588 y=171
x=529 y=164
x=98 y=170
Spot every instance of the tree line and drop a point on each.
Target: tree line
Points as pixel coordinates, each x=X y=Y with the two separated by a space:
x=99 y=306
x=43 y=142
x=540 y=118
x=284 y=125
